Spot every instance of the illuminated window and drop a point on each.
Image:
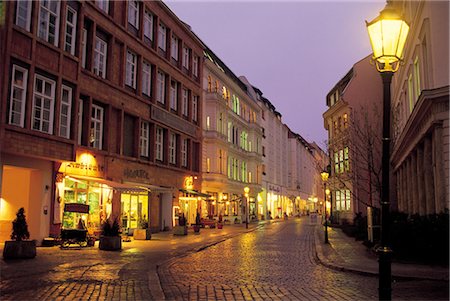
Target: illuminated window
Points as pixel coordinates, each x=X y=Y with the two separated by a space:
x=209 y=83
x=417 y=77
x=411 y=93
x=207 y=122
x=346 y=160
x=208 y=165
x=345 y=120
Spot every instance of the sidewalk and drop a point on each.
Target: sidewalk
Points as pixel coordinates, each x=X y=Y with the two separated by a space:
x=346 y=254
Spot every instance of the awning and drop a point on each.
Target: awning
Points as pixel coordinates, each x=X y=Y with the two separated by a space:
x=115 y=185
x=151 y=188
x=195 y=193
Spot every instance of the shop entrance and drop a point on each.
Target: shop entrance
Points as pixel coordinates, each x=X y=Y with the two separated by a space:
x=134 y=209
x=21 y=187
x=189 y=207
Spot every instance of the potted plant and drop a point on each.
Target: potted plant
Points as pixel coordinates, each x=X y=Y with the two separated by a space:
x=19 y=247
x=219 y=222
x=110 y=239
x=143 y=233
x=198 y=224
x=181 y=228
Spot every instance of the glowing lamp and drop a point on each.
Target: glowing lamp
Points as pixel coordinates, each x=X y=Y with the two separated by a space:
x=324 y=176
x=387 y=33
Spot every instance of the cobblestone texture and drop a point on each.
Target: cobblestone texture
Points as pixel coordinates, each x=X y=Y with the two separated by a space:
x=277 y=262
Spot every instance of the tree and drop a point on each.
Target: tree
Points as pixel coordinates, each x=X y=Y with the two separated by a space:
x=20 y=227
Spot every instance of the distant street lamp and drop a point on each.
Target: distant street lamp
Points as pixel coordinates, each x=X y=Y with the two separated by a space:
x=246 y=191
x=388 y=33
x=325 y=175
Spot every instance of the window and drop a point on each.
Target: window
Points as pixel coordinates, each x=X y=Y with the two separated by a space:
x=49 y=21
x=186 y=57
x=195 y=66
x=80 y=120
x=411 y=93
x=209 y=83
x=83 y=47
x=208 y=165
x=173 y=95
x=185 y=103
x=343 y=200
x=174 y=48
x=100 y=52
x=43 y=104
x=103 y=5
x=148 y=25
x=159 y=144
x=96 y=128
x=71 y=30
x=129 y=138
x=173 y=149
x=130 y=78
x=146 y=78
x=208 y=123
x=195 y=108
x=19 y=78
x=144 y=139
x=23 y=14
x=184 y=152
x=66 y=108
x=133 y=13
x=345 y=120
x=416 y=78
x=346 y=161
x=162 y=36
x=161 y=88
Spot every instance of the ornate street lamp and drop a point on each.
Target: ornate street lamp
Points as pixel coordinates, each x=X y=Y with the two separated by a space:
x=246 y=191
x=388 y=33
x=324 y=174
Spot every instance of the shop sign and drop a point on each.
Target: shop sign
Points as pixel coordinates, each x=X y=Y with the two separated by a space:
x=135 y=173
x=85 y=165
x=189 y=182
x=274 y=188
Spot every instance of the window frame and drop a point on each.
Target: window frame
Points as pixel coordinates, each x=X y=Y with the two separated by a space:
x=173 y=148
x=161 y=87
x=144 y=139
x=185 y=102
x=146 y=78
x=184 y=152
x=195 y=100
x=195 y=64
x=44 y=97
x=159 y=144
x=41 y=23
x=97 y=143
x=130 y=69
x=73 y=30
x=68 y=103
x=174 y=95
x=103 y=5
x=174 y=47
x=133 y=13
x=100 y=59
x=148 y=24
x=23 y=99
x=27 y=9
x=162 y=36
x=185 y=58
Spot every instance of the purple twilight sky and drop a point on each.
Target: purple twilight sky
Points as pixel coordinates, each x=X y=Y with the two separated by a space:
x=294 y=52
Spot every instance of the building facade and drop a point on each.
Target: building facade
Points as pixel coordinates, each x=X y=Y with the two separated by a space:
x=420 y=100
x=232 y=151
x=353 y=122
x=100 y=105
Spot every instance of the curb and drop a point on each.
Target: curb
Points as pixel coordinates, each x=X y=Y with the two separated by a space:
x=323 y=261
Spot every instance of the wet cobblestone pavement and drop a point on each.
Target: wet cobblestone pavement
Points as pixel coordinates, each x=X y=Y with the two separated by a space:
x=277 y=262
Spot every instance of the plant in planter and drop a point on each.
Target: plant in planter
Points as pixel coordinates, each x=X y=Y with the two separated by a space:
x=110 y=239
x=19 y=247
x=198 y=224
x=143 y=233
x=181 y=228
x=219 y=222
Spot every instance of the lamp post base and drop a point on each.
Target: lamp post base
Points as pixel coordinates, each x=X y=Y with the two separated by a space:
x=384 y=277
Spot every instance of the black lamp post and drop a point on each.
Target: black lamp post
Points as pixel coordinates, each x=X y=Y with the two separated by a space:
x=325 y=175
x=388 y=33
x=246 y=191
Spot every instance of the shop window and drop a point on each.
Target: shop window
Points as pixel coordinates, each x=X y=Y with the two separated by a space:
x=134 y=210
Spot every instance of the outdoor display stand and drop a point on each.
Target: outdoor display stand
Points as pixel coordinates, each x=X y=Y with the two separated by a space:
x=76 y=235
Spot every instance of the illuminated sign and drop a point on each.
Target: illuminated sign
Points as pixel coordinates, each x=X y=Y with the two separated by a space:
x=189 y=182
x=86 y=165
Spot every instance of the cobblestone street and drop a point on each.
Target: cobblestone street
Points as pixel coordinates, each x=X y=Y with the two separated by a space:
x=272 y=261
x=276 y=262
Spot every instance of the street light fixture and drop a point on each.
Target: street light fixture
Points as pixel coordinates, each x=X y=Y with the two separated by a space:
x=388 y=33
x=325 y=176
x=246 y=191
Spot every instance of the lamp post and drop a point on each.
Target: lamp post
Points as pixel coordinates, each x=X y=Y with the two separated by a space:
x=246 y=191
x=388 y=33
x=325 y=175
